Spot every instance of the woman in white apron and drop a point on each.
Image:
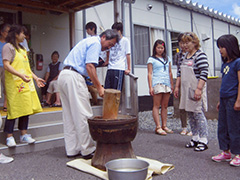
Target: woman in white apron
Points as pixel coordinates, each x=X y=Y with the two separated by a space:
x=22 y=98
x=192 y=77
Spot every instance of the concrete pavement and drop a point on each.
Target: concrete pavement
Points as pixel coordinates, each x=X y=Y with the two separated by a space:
x=189 y=165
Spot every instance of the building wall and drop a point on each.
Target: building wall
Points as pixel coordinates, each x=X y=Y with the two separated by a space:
x=48 y=33
x=51 y=32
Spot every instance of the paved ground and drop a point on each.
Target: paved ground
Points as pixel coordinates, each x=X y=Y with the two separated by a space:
x=189 y=165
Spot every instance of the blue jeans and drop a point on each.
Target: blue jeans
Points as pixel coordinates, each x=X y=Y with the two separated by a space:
x=229 y=125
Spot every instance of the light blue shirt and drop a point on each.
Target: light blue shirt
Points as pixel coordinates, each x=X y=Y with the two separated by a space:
x=86 y=51
x=1 y=46
x=160 y=75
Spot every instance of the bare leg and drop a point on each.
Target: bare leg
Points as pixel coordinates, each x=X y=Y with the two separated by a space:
x=49 y=95
x=155 y=112
x=164 y=105
x=23 y=132
x=57 y=102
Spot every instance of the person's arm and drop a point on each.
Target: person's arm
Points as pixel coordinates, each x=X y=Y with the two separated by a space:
x=171 y=76
x=198 y=91
x=93 y=76
x=202 y=64
x=9 y=68
x=150 y=68
x=46 y=76
x=177 y=86
x=178 y=81
x=40 y=82
x=237 y=103
x=128 y=70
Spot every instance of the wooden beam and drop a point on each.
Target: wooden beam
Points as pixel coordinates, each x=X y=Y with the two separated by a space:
x=72 y=29
x=38 y=5
x=86 y=4
x=66 y=2
x=18 y=8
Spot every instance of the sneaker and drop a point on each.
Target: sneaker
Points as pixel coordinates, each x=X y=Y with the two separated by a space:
x=222 y=157
x=27 y=138
x=10 y=141
x=235 y=161
x=5 y=159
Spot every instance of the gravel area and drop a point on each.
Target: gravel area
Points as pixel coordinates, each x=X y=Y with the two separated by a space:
x=146 y=122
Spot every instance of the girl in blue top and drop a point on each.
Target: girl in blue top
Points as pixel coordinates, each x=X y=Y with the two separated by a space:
x=160 y=82
x=229 y=106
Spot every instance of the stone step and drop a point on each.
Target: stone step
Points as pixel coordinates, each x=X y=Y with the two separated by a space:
x=42 y=143
x=37 y=130
x=45 y=127
x=43 y=117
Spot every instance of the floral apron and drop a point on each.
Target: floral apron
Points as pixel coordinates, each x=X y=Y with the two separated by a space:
x=189 y=84
x=22 y=98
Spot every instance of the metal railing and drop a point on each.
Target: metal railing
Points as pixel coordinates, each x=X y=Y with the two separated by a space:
x=129 y=96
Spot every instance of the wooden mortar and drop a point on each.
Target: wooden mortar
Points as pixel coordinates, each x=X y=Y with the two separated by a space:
x=111 y=101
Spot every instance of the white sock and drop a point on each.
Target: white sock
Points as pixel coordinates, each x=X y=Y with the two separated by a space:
x=203 y=140
x=195 y=138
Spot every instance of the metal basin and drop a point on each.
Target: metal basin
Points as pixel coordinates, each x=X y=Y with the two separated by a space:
x=127 y=169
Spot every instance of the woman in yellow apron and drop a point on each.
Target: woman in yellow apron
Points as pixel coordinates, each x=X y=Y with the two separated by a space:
x=192 y=76
x=22 y=99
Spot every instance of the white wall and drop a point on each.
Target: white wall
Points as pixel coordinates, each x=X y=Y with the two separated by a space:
x=51 y=32
x=48 y=33
x=178 y=19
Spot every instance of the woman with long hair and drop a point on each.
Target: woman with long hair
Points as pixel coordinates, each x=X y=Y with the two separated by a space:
x=22 y=98
x=160 y=82
x=229 y=105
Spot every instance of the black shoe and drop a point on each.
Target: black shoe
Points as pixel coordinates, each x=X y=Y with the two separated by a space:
x=201 y=147
x=89 y=156
x=74 y=156
x=191 y=144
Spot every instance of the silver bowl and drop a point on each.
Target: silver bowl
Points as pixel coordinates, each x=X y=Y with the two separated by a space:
x=127 y=169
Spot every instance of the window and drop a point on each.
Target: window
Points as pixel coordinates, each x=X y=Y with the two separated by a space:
x=142 y=41
x=144 y=38
x=174 y=48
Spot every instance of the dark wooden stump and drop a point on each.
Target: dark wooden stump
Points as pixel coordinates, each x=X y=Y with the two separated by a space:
x=113 y=138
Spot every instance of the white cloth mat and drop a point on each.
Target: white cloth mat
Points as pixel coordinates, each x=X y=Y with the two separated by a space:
x=155 y=167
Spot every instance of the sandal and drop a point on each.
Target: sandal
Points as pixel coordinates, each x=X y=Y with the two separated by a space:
x=189 y=133
x=201 y=147
x=167 y=130
x=184 y=132
x=56 y=105
x=191 y=144
x=160 y=131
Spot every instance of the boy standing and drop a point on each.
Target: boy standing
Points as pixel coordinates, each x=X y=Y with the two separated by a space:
x=119 y=62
